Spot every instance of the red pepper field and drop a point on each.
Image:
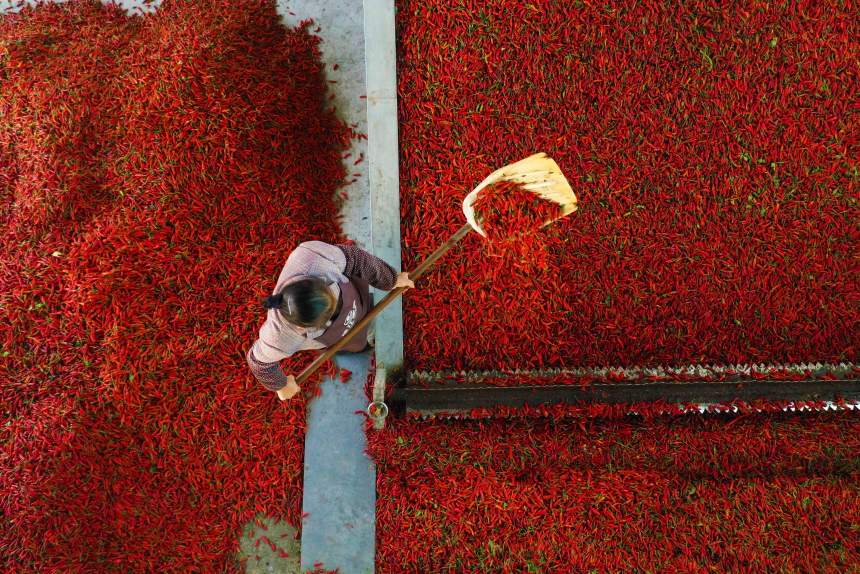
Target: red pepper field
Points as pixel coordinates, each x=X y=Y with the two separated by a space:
x=713 y=148
x=755 y=493
x=154 y=174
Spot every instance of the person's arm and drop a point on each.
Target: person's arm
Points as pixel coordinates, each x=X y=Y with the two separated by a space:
x=270 y=375
x=263 y=360
x=363 y=265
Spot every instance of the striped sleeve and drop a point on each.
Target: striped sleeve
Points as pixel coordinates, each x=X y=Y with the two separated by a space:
x=270 y=375
x=363 y=265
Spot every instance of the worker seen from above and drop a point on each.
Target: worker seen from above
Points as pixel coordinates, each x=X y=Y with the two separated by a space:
x=321 y=293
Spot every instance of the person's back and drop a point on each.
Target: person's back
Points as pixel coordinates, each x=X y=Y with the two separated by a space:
x=321 y=293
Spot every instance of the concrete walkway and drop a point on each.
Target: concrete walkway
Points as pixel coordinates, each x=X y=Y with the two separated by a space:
x=339 y=497
x=339 y=494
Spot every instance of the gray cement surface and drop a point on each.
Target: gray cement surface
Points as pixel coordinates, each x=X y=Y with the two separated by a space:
x=339 y=495
x=382 y=142
x=341 y=24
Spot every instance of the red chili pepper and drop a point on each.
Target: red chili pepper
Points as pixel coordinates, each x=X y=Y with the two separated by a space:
x=144 y=163
x=459 y=485
x=703 y=193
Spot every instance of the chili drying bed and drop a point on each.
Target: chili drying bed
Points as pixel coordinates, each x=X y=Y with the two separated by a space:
x=452 y=62
x=339 y=500
x=460 y=140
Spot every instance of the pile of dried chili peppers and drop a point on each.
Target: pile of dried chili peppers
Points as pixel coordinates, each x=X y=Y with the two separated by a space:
x=154 y=173
x=506 y=210
x=714 y=155
x=754 y=493
x=512 y=217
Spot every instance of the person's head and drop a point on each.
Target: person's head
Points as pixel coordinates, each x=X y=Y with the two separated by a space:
x=306 y=303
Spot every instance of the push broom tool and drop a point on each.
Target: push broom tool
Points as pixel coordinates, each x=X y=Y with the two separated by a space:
x=451 y=394
x=537 y=174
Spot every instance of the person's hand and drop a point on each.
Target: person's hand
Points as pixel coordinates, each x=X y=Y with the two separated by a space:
x=403 y=280
x=290 y=390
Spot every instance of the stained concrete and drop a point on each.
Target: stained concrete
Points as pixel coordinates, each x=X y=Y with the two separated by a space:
x=271 y=549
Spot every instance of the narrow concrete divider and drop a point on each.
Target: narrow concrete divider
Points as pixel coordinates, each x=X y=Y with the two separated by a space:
x=339 y=498
x=382 y=154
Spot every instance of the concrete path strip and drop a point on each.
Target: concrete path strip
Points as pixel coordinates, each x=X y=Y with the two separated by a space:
x=383 y=156
x=339 y=499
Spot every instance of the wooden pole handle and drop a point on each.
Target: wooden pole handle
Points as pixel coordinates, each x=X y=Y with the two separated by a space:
x=377 y=309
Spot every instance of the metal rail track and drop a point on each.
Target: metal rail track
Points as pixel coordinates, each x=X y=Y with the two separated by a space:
x=441 y=397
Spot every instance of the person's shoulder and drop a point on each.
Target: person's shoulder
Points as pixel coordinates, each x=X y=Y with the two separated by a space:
x=315 y=245
x=313 y=258
x=278 y=335
x=305 y=252
x=310 y=251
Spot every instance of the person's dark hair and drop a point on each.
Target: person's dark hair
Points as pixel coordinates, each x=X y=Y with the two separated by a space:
x=306 y=303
